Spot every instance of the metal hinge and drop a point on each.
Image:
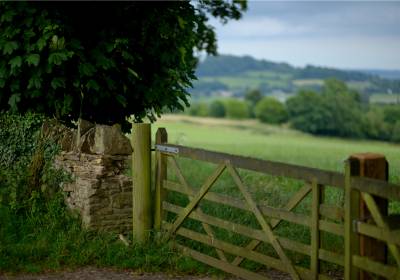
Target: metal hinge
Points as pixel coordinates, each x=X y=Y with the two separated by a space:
x=167 y=149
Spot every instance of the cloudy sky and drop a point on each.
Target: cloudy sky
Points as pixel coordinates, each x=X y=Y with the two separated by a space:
x=351 y=35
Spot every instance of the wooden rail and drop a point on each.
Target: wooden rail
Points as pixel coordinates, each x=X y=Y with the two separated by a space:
x=323 y=217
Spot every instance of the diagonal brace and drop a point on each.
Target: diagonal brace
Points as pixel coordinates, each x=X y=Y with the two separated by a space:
x=376 y=214
x=293 y=202
x=207 y=228
x=265 y=226
x=196 y=199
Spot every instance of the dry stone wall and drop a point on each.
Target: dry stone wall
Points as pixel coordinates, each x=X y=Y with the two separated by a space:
x=100 y=191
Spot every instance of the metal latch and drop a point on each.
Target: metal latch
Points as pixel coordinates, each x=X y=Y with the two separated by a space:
x=167 y=149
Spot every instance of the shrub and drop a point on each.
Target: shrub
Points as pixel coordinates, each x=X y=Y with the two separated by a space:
x=199 y=109
x=217 y=109
x=396 y=132
x=270 y=110
x=236 y=109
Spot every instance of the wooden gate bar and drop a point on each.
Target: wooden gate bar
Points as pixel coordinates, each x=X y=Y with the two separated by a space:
x=377 y=216
x=260 y=218
x=293 y=202
x=161 y=176
x=196 y=199
x=315 y=233
x=240 y=229
x=378 y=268
x=224 y=266
x=206 y=227
x=275 y=213
x=304 y=173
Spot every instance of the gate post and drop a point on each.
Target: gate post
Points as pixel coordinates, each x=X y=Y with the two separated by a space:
x=372 y=166
x=161 y=175
x=141 y=173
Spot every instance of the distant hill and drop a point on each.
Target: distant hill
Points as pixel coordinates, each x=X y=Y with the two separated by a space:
x=233 y=75
x=385 y=74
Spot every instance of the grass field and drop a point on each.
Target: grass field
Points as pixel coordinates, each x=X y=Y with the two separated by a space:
x=251 y=138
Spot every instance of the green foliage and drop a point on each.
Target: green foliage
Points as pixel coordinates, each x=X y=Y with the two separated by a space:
x=391 y=114
x=253 y=97
x=37 y=231
x=199 y=109
x=217 y=109
x=375 y=125
x=236 y=109
x=396 y=132
x=270 y=110
x=336 y=111
x=104 y=68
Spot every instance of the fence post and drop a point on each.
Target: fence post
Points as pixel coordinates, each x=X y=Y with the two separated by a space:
x=141 y=171
x=372 y=166
x=161 y=175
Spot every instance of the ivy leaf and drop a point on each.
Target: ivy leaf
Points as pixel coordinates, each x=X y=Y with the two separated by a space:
x=35 y=82
x=41 y=43
x=2 y=83
x=13 y=101
x=57 y=83
x=33 y=59
x=92 y=84
x=7 y=16
x=16 y=62
x=57 y=58
x=86 y=69
x=10 y=47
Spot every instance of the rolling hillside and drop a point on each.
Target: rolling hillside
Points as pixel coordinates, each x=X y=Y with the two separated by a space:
x=228 y=75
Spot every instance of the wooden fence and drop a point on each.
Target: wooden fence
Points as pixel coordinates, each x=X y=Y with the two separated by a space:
x=347 y=221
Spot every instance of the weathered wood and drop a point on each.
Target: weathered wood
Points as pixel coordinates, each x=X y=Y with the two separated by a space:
x=324 y=177
x=161 y=176
x=183 y=182
x=315 y=233
x=372 y=166
x=240 y=229
x=334 y=228
x=379 y=220
x=196 y=199
x=364 y=263
x=293 y=202
x=376 y=187
x=275 y=213
x=332 y=212
x=141 y=170
x=351 y=241
x=224 y=266
x=332 y=257
x=390 y=236
x=261 y=220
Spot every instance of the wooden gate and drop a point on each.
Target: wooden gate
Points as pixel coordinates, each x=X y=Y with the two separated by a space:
x=323 y=217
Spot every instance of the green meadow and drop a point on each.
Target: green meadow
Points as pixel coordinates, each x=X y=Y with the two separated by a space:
x=250 y=138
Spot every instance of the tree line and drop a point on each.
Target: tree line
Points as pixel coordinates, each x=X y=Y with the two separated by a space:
x=335 y=110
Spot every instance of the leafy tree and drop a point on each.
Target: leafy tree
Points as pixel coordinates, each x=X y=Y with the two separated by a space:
x=253 y=96
x=270 y=110
x=236 y=109
x=336 y=111
x=392 y=114
x=217 y=109
x=103 y=61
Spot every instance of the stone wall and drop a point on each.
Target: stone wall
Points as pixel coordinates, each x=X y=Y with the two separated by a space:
x=100 y=191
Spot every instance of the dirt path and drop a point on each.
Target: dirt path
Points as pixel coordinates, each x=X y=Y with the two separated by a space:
x=92 y=273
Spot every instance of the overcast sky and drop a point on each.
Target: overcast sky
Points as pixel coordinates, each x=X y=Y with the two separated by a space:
x=344 y=34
